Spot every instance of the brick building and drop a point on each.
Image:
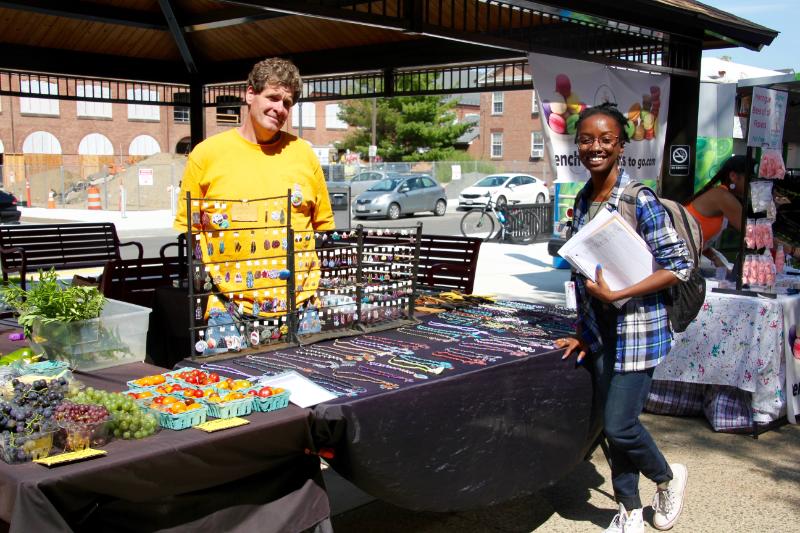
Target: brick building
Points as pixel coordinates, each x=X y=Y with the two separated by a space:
x=41 y=134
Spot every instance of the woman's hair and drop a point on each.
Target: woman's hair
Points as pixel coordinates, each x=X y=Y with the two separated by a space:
x=608 y=109
x=736 y=163
x=276 y=71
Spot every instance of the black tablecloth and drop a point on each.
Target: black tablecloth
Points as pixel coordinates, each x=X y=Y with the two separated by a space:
x=470 y=440
x=470 y=437
x=255 y=477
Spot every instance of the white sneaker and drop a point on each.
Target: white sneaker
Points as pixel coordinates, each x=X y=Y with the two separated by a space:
x=626 y=522
x=668 y=503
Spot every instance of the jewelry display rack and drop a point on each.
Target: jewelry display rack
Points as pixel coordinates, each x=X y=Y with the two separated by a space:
x=360 y=280
x=366 y=286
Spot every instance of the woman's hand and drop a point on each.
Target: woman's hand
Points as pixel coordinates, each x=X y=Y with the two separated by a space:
x=599 y=289
x=572 y=344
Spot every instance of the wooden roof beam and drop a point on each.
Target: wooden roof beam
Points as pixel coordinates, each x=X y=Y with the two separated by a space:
x=76 y=9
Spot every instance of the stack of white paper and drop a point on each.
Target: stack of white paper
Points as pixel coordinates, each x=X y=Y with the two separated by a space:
x=609 y=241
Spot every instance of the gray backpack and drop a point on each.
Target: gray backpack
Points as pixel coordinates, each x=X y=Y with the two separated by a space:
x=684 y=299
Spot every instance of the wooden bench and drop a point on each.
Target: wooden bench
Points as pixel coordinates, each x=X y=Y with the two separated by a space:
x=135 y=280
x=27 y=248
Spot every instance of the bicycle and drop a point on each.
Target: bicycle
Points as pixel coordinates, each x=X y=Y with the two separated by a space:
x=481 y=222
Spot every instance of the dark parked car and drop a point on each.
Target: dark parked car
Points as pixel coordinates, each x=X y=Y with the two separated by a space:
x=9 y=213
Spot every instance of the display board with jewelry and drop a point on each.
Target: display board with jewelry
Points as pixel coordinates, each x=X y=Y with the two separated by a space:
x=458 y=340
x=243 y=276
x=363 y=287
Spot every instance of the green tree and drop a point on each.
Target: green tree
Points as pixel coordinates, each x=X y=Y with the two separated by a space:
x=408 y=128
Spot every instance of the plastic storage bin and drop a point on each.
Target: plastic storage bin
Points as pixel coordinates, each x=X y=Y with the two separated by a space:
x=117 y=337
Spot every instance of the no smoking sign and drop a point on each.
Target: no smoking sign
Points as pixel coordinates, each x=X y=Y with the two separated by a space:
x=679 y=155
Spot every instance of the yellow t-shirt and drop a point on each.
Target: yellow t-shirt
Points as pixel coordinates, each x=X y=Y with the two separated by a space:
x=241 y=241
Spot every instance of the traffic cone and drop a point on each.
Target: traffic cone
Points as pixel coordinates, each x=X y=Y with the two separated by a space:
x=51 y=200
x=94 y=198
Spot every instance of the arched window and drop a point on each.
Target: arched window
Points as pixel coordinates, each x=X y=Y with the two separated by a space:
x=95 y=144
x=41 y=142
x=144 y=145
x=184 y=146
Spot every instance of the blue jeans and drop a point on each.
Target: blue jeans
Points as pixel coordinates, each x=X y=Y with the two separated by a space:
x=632 y=449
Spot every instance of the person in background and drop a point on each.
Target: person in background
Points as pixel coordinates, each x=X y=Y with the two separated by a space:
x=625 y=344
x=229 y=175
x=719 y=202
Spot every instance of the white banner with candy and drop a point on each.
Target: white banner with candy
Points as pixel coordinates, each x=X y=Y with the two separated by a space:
x=565 y=87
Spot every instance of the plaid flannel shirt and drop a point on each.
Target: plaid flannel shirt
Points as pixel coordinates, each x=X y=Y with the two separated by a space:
x=644 y=336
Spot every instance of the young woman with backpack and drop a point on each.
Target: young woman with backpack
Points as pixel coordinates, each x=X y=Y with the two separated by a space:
x=623 y=346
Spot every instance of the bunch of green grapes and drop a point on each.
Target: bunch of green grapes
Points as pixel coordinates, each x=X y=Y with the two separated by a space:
x=128 y=421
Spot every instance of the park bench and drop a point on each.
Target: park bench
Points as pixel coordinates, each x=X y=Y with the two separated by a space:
x=28 y=248
x=136 y=280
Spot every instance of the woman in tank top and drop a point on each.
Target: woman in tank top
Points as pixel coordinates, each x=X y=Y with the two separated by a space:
x=720 y=200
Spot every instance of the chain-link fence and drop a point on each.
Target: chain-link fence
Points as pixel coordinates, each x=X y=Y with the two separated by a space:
x=150 y=184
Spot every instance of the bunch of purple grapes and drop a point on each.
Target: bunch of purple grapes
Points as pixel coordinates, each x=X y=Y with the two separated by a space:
x=80 y=413
x=28 y=415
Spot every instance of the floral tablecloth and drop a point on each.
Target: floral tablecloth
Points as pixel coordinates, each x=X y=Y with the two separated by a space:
x=736 y=341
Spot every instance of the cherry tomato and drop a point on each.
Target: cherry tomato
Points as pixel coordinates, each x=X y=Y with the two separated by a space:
x=213 y=377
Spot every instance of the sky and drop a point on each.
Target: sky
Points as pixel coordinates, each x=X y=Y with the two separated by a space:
x=779 y=15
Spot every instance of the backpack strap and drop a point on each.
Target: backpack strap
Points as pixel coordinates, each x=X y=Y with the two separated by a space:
x=627 y=202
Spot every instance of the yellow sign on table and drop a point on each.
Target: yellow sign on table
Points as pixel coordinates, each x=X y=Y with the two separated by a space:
x=221 y=423
x=70 y=457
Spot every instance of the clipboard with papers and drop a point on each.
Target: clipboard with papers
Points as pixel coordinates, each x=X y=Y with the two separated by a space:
x=609 y=241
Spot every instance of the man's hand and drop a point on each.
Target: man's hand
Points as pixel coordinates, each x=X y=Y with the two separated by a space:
x=599 y=289
x=572 y=344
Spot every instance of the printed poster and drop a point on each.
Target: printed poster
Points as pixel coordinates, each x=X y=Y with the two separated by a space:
x=565 y=87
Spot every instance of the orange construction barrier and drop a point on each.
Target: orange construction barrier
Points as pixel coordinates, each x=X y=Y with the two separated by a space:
x=51 y=200
x=94 y=198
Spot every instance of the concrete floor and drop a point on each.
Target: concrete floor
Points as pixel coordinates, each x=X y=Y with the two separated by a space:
x=736 y=484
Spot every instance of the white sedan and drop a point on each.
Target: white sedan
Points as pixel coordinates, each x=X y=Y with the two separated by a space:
x=502 y=188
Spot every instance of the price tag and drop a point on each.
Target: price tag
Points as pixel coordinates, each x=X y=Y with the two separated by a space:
x=70 y=457
x=221 y=423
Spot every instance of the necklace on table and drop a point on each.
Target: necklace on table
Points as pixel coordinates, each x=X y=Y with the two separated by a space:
x=386 y=385
x=396 y=369
x=225 y=369
x=397 y=342
x=426 y=335
x=383 y=374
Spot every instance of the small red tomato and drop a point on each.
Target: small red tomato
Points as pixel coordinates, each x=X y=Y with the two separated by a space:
x=213 y=377
x=265 y=392
x=252 y=392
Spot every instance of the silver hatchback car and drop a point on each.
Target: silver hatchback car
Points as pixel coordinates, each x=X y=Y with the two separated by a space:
x=401 y=195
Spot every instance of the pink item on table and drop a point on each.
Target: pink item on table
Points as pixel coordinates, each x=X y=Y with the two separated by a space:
x=16 y=336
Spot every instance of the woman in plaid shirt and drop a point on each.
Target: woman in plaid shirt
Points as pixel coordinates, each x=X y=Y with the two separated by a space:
x=624 y=345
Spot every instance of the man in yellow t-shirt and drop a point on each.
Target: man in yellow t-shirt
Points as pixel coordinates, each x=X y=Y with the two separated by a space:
x=242 y=238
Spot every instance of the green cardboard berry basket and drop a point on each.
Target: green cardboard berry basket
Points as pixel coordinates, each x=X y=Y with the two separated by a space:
x=182 y=420
x=271 y=403
x=230 y=408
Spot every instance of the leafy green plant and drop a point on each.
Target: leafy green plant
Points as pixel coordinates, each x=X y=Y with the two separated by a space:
x=49 y=300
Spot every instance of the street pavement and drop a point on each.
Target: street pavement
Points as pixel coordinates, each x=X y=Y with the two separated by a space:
x=736 y=483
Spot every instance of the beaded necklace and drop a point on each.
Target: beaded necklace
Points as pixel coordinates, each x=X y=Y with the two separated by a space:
x=356 y=347
x=226 y=369
x=403 y=363
x=455 y=335
x=382 y=348
x=341 y=361
x=467 y=329
x=470 y=353
x=315 y=362
x=403 y=344
x=459 y=358
x=396 y=369
x=327 y=382
x=429 y=335
x=386 y=385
